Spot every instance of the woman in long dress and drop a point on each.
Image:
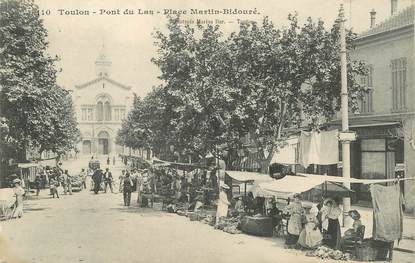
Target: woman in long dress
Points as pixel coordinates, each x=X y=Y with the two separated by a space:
x=18 y=193
x=296 y=211
x=333 y=236
x=223 y=204
x=310 y=236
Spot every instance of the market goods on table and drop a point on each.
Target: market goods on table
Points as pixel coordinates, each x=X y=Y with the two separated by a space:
x=324 y=252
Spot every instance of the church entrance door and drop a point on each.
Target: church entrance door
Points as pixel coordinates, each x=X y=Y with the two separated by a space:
x=103 y=143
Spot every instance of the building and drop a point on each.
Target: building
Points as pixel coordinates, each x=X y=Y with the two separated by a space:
x=385 y=125
x=100 y=105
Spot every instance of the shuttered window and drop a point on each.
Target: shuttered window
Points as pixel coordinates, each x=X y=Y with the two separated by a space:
x=399 y=84
x=366 y=105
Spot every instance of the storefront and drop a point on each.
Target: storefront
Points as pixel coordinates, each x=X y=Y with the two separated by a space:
x=377 y=154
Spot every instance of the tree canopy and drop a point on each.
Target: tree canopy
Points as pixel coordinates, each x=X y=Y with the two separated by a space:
x=257 y=81
x=38 y=113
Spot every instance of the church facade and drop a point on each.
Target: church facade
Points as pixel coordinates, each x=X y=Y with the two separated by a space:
x=101 y=105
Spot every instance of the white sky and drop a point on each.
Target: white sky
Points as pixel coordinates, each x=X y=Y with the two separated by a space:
x=128 y=38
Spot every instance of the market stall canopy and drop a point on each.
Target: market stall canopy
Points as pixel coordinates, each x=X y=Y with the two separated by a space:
x=179 y=166
x=27 y=165
x=290 y=185
x=248 y=176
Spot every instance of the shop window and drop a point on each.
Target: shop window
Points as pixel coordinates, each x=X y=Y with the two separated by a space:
x=373 y=145
x=399 y=84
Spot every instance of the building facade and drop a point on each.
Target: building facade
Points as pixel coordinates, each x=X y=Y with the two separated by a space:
x=101 y=104
x=385 y=125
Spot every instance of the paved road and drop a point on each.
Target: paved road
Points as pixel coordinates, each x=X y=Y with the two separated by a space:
x=97 y=228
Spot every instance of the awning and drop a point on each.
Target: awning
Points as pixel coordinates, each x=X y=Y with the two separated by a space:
x=27 y=165
x=373 y=124
x=244 y=177
x=290 y=185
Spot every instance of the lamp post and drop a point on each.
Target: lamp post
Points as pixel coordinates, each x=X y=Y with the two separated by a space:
x=344 y=112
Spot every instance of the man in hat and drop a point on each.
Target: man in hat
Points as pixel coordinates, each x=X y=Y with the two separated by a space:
x=18 y=193
x=223 y=204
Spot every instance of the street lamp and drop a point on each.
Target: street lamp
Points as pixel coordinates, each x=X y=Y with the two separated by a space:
x=344 y=113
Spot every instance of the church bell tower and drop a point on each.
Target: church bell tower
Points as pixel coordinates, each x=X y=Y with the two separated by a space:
x=103 y=64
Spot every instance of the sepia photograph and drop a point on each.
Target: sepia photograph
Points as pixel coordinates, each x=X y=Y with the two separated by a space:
x=194 y=131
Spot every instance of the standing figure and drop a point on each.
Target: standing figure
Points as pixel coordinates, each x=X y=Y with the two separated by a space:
x=38 y=183
x=18 y=193
x=53 y=184
x=67 y=183
x=113 y=160
x=310 y=236
x=127 y=188
x=331 y=213
x=121 y=178
x=108 y=161
x=108 y=180
x=83 y=176
x=97 y=178
x=223 y=204
x=296 y=211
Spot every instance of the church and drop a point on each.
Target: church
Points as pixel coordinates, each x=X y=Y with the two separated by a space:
x=100 y=107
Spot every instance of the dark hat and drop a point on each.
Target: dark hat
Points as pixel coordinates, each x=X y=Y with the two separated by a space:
x=354 y=214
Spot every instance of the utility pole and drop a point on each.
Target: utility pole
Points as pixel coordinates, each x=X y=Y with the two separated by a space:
x=344 y=112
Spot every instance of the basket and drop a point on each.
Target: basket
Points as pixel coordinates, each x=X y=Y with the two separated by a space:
x=366 y=253
x=193 y=216
x=371 y=251
x=158 y=206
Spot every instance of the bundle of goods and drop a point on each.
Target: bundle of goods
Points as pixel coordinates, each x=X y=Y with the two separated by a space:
x=325 y=252
x=209 y=219
x=192 y=216
x=158 y=206
x=230 y=225
x=181 y=209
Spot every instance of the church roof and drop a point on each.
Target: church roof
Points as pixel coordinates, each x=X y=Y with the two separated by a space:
x=402 y=19
x=102 y=78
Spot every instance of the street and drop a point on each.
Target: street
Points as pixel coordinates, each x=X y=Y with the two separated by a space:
x=85 y=227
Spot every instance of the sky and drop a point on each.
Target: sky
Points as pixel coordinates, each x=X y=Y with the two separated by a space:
x=129 y=42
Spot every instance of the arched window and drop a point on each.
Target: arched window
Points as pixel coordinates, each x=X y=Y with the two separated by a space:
x=100 y=111
x=107 y=111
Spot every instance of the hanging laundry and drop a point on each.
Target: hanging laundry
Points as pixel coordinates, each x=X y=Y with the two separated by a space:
x=319 y=148
x=387 y=212
x=287 y=153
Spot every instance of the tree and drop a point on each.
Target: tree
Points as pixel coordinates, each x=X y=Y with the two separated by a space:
x=195 y=94
x=39 y=114
x=259 y=81
x=287 y=78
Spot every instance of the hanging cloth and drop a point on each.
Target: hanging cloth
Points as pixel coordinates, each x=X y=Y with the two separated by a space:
x=387 y=212
x=319 y=148
x=286 y=154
